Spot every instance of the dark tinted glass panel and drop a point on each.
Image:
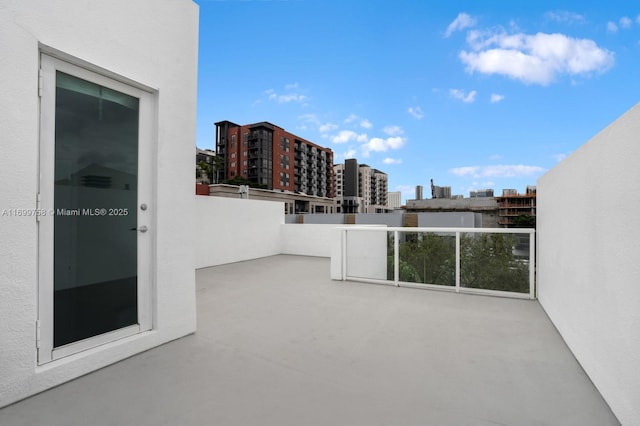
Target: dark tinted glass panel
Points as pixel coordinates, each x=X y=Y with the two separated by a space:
x=95 y=237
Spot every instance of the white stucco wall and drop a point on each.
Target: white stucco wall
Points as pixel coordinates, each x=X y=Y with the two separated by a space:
x=307 y=239
x=154 y=44
x=232 y=229
x=589 y=259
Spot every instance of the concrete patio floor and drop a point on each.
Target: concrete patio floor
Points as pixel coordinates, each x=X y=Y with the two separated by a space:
x=278 y=343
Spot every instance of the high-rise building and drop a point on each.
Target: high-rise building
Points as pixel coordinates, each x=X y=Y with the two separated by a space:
x=481 y=193
x=440 y=191
x=272 y=158
x=360 y=188
x=419 y=195
x=394 y=199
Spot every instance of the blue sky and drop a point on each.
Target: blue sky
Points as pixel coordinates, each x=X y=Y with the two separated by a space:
x=471 y=94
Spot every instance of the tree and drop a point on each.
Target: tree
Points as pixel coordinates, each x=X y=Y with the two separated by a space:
x=204 y=172
x=218 y=166
x=524 y=221
x=487 y=261
x=426 y=258
x=239 y=180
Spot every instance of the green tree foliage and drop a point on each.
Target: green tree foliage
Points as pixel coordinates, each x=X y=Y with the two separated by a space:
x=524 y=221
x=487 y=261
x=204 y=168
x=239 y=180
x=426 y=259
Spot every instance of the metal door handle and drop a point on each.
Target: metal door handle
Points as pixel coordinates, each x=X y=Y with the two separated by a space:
x=143 y=228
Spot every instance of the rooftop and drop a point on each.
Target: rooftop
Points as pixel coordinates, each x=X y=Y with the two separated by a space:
x=279 y=343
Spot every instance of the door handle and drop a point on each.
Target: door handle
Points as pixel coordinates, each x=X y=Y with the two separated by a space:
x=143 y=228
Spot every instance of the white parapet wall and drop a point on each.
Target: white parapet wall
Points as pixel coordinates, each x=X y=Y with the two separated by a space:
x=589 y=260
x=232 y=230
x=147 y=43
x=307 y=239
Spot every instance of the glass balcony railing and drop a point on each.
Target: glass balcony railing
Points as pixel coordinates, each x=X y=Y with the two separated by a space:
x=465 y=260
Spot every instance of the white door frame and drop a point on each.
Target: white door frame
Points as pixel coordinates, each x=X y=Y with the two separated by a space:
x=145 y=241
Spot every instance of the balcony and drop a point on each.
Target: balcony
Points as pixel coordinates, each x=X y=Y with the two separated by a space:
x=294 y=347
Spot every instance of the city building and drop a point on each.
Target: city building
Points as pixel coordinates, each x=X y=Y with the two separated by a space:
x=360 y=188
x=481 y=193
x=440 y=191
x=517 y=209
x=394 y=199
x=269 y=157
x=485 y=208
x=294 y=203
x=419 y=192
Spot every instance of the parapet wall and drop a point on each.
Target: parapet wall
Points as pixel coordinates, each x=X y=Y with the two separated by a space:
x=588 y=268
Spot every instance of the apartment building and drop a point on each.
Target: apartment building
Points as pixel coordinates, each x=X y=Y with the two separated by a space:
x=272 y=158
x=360 y=188
x=394 y=199
x=513 y=207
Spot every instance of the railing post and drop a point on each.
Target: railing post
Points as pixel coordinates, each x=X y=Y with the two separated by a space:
x=396 y=259
x=457 y=262
x=344 y=254
x=532 y=264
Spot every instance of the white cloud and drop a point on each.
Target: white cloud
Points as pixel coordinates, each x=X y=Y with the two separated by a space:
x=291 y=86
x=496 y=157
x=290 y=97
x=345 y=136
x=626 y=22
x=565 y=16
x=537 y=58
x=559 y=157
x=393 y=130
x=496 y=98
x=497 y=171
x=309 y=118
x=366 y=124
x=461 y=95
x=416 y=112
x=390 y=160
x=327 y=127
x=272 y=95
x=612 y=27
x=465 y=171
x=351 y=153
x=382 y=144
x=638 y=19
x=461 y=22
x=351 y=118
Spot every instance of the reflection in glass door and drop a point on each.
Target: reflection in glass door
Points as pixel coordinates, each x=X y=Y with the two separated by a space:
x=95 y=238
x=94 y=250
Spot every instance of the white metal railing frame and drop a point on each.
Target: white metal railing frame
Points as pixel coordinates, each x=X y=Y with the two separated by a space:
x=457 y=231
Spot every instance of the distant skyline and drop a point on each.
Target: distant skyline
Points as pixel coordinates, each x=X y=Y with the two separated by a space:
x=473 y=95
